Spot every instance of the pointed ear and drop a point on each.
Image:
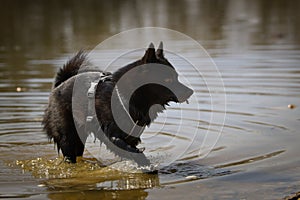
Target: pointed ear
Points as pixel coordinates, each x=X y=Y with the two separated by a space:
x=150 y=56
x=160 y=51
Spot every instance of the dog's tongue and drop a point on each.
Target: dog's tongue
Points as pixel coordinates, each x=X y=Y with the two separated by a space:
x=187 y=101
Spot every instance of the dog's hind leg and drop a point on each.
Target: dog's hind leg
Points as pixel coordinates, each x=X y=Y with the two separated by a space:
x=72 y=146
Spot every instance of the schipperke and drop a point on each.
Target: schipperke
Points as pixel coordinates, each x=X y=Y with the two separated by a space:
x=69 y=120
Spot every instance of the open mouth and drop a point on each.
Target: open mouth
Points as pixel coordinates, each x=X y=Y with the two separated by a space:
x=185 y=96
x=181 y=100
x=184 y=100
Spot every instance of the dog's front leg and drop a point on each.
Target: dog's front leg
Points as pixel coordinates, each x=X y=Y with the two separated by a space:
x=123 y=145
x=132 y=153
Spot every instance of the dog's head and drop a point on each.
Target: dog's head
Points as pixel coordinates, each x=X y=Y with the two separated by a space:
x=153 y=81
x=161 y=84
x=166 y=86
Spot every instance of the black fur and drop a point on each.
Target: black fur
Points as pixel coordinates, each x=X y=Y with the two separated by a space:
x=70 y=69
x=60 y=120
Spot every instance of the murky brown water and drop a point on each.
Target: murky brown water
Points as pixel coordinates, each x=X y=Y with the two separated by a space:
x=256 y=47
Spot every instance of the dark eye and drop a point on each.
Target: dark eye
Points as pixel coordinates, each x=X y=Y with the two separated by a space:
x=168 y=80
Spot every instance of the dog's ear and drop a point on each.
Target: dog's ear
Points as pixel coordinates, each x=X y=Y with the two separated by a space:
x=160 y=51
x=149 y=56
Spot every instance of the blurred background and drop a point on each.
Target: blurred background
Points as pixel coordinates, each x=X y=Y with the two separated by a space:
x=45 y=29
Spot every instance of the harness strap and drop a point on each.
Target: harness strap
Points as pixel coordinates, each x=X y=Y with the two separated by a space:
x=136 y=130
x=91 y=113
x=91 y=118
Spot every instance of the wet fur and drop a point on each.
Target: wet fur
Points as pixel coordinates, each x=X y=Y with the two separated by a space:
x=60 y=122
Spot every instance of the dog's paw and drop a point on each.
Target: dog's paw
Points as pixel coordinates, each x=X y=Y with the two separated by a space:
x=141 y=150
x=123 y=145
x=68 y=159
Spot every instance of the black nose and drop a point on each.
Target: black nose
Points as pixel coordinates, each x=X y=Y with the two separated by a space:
x=185 y=93
x=189 y=92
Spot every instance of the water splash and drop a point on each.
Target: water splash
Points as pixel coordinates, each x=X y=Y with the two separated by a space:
x=87 y=174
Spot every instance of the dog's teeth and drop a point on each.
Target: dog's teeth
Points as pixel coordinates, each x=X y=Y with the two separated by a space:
x=187 y=101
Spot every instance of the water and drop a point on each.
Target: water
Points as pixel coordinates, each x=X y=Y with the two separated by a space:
x=256 y=48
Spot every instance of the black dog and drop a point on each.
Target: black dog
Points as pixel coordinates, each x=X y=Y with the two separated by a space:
x=69 y=120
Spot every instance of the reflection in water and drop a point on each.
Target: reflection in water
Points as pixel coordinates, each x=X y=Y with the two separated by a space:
x=86 y=174
x=94 y=194
x=256 y=46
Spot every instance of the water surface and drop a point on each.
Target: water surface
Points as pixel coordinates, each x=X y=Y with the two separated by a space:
x=256 y=48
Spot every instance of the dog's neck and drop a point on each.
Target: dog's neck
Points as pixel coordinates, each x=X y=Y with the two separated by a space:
x=141 y=111
x=140 y=106
x=138 y=114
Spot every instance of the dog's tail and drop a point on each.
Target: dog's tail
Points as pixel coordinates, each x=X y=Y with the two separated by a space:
x=70 y=69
